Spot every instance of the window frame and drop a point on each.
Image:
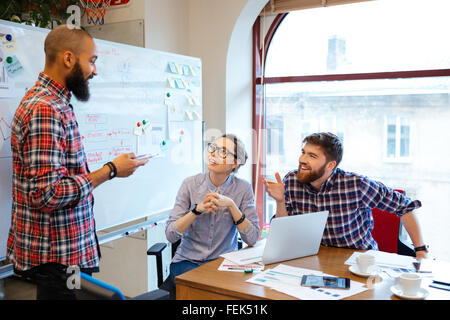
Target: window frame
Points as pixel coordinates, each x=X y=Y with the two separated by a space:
x=259 y=60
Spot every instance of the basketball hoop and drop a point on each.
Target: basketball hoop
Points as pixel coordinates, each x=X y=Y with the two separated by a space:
x=95 y=10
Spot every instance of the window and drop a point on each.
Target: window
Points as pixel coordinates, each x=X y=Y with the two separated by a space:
x=383 y=88
x=275 y=136
x=398 y=135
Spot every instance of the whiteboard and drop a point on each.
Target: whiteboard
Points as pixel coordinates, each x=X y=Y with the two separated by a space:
x=133 y=84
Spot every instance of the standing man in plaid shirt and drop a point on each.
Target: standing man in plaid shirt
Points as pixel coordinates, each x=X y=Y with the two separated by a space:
x=318 y=185
x=52 y=223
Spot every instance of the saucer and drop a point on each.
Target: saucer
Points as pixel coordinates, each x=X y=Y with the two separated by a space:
x=421 y=293
x=372 y=270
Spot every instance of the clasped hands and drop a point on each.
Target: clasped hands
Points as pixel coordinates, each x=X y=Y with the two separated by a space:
x=213 y=201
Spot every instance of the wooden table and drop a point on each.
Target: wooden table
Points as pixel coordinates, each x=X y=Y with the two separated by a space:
x=206 y=282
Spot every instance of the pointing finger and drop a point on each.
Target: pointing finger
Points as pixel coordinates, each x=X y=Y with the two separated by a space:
x=277 y=176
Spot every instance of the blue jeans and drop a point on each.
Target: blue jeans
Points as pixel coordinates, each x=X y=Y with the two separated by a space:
x=181 y=267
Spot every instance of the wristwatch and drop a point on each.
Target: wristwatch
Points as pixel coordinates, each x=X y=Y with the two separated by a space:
x=421 y=248
x=113 y=169
x=194 y=211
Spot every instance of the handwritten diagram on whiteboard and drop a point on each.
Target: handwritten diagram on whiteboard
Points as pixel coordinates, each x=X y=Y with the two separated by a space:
x=142 y=101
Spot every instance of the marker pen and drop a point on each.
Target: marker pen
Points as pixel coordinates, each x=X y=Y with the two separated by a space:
x=145 y=156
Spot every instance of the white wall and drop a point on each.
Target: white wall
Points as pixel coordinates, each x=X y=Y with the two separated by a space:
x=238 y=90
x=166 y=25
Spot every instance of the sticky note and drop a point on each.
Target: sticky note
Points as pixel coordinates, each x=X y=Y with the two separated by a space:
x=137 y=131
x=163 y=146
x=185 y=83
x=193 y=72
x=179 y=68
x=195 y=115
x=195 y=82
x=172 y=68
x=146 y=128
x=188 y=115
x=186 y=70
x=171 y=82
x=179 y=84
x=13 y=66
x=196 y=100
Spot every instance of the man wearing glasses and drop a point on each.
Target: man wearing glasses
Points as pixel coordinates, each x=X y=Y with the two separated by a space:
x=212 y=208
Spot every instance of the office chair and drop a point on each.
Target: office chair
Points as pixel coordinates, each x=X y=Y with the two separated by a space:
x=156 y=250
x=95 y=289
x=387 y=231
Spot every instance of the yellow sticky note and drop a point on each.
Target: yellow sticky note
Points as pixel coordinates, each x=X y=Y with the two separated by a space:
x=171 y=82
x=192 y=69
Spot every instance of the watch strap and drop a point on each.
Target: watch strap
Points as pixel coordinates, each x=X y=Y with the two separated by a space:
x=113 y=169
x=240 y=220
x=194 y=210
x=421 y=248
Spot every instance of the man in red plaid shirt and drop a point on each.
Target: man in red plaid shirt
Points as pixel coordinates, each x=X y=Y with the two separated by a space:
x=52 y=223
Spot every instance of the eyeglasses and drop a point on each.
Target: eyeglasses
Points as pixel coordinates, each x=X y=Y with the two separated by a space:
x=221 y=152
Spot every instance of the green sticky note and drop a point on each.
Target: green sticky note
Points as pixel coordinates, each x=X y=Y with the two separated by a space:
x=13 y=66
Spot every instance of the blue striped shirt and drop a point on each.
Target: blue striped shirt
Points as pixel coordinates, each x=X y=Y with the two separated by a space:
x=349 y=198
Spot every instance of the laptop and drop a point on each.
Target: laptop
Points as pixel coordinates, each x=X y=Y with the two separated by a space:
x=289 y=238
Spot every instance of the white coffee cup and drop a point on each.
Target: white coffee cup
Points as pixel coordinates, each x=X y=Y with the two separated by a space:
x=364 y=262
x=410 y=283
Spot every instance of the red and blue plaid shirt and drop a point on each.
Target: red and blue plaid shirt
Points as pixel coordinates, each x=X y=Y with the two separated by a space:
x=349 y=198
x=52 y=209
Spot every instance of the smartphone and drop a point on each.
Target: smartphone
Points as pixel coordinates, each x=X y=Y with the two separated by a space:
x=325 y=282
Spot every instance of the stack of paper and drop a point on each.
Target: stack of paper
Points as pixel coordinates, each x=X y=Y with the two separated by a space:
x=286 y=279
x=248 y=255
x=391 y=263
x=228 y=265
x=385 y=259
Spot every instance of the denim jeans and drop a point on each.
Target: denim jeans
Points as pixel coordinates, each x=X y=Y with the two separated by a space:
x=181 y=267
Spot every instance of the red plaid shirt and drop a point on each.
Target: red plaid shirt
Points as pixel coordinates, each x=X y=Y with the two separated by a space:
x=52 y=210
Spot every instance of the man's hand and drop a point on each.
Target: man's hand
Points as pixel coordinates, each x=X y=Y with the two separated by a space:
x=126 y=164
x=275 y=189
x=421 y=255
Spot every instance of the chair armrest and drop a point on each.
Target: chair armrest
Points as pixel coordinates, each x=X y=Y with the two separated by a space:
x=240 y=242
x=156 y=249
x=157 y=294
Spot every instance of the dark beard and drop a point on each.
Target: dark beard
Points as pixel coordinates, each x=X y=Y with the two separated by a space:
x=312 y=176
x=77 y=84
